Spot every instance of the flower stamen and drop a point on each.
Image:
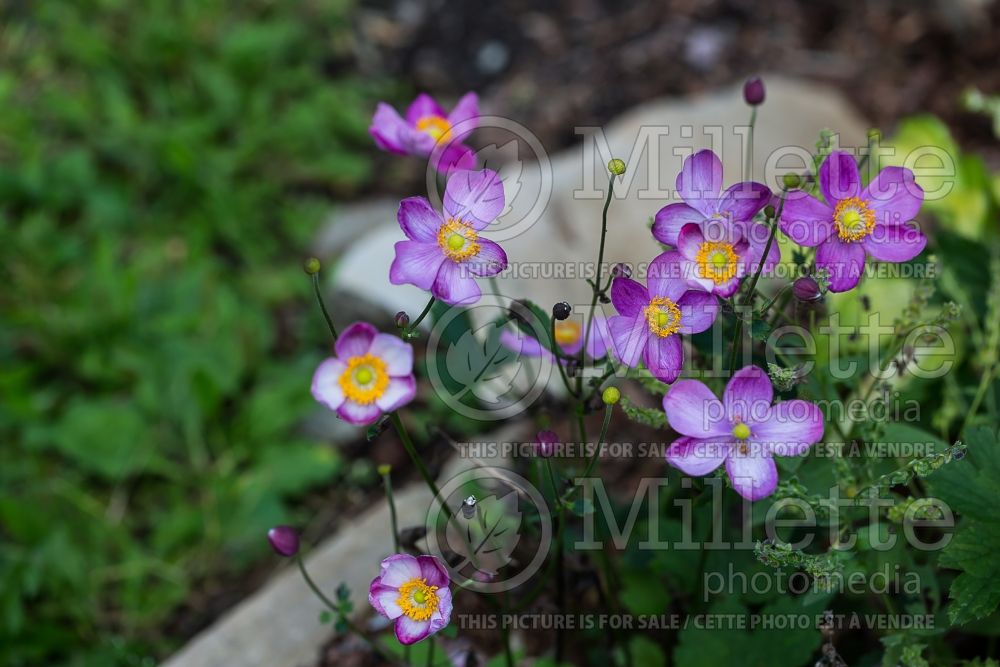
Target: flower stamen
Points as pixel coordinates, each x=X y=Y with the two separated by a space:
x=458 y=240
x=567 y=332
x=716 y=261
x=365 y=379
x=854 y=219
x=435 y=127
x=418 y=600
x=663 y=316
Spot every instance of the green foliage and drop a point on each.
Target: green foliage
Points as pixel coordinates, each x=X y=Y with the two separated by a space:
x=646 y=416
x=970 y=488
x=156 y=165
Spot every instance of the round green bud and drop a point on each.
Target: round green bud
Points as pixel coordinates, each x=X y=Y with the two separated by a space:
x=769 y=211
x=616 y=166
x=611 y=395
x=312 y=266
x=791 y=181
x=874 y=134
x=384 y=469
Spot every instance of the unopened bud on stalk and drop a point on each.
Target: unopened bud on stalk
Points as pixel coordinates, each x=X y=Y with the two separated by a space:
x=611 y=395
x=402 y=320
x=806 y=289
x=284 y=540
x=546 y=445
x=312 y=266
x=621 y=270
x=769 y=211
x=384 y=469
x=792 y=181
x=616 y=166
x=561 y=310
x=753 y=91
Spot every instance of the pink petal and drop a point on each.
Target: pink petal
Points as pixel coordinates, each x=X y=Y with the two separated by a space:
x=490 y=260
x=693 y=410
x=666 y=276
x=843 y=260
x=743 y=200
x=789 y=428
x=399 y=392
x=697 y=457
x=756 y=235
x=443 y=613
x=325 y=383
x=474 y=197
x=523 y=344
x=397 y=354
x=894 y=196
x=357 y=414
x=409 y=631
x=399 y=569
x=698 y=311
x=664 y=357
x=748 y=395
x=418 y=220
x=839 y=177
x=452 y=157
x=355 y=340
x=422 y=107
x=894 y=243
x=389 y=130
x=670 y=219
x=464 y=115
x=754 y=476
x=416 y=263
x=805 y=219
x=700 y=181
x=454 y=287
x=689 y=240
x=628 y=296
x=600 y=338
x=433 y=571
x=384 y=599
x=628 y=338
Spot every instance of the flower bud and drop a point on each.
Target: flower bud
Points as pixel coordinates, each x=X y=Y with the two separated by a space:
x=384 y=469
x=284 y=540
x=616 y=166
x=753 y=91
x=312 y=266
x=792 y=181
x=621 y=270
x=769 y=211
x=806 y=289
x=611 y=395
x=402 y=320
x=561 y=310
x=546 y=445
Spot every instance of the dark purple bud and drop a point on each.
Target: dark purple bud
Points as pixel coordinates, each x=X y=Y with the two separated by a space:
x=753 y=91
x=284 y=540
x=402 y=320
x=561 y=310
x=806 y=289
x=621 y=270
x=546 y=445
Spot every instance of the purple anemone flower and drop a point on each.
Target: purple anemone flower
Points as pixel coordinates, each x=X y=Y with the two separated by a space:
x=445 y=253
x=714 y=256
x=414 y=593
x=743 y=430
x=428 y=131
x=855 y=222
x=699 y=185
x=371 y=374
x=651 y=318
x=569 y=338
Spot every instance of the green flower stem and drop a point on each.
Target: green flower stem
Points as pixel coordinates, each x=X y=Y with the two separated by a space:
x=387 y=483
x=322 y=306
x=597 y=281
x=748 y=299
x=404 y=435
x=334 y=609
x=421 y=316
x=566 y=497
x=749 y=159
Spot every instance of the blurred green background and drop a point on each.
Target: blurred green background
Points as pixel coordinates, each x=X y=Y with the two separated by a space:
x=163 y=166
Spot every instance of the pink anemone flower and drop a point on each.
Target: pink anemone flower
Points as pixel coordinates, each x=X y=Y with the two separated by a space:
x=428 y=131
x=413 y=592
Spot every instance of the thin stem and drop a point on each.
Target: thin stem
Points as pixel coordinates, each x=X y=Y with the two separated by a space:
x=593 y=457
x=430 y=653
x=597 y=280
x=984 y=384
x=404 y=435
x=322 y=306
x=387 y=483
x=749 y=159
x=422 y=315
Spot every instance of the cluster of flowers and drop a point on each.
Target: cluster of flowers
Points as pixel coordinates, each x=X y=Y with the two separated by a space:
x=716 y=240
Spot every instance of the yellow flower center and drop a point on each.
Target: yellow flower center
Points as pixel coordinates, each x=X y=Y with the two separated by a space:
x=741 y=431
x=458 y=240
x=365 y=379
x=854 y=219
x=567 y=332
x=716 y=261
x=417 y=600
x=434 y=126
x=663 y=316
